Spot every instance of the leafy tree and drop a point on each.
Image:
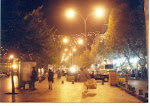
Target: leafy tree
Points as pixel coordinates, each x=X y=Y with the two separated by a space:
x=38 y=41
x=33 y=39
x=125 y=32
x=85 y=59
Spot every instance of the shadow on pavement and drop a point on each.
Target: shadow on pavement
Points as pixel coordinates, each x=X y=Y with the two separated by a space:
x=13 y=96
x=89 y=95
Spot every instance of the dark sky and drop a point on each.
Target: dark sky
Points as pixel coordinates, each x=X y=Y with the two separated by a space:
x=76 y=25
x=54 y=11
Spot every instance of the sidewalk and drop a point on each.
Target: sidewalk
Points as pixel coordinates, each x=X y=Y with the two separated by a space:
x=139 y=84
x=68 y=92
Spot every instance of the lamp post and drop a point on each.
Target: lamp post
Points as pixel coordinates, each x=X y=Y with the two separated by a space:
x=80 y=41
x=12 y=74
x=73 y=50
x=98 y=13
x=65 y=40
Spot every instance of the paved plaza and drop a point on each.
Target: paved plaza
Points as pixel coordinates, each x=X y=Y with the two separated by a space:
x=64 y=93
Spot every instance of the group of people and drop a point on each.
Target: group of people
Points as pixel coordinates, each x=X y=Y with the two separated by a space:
x=7 y=73
x=138 y=73
x=84 y=76
x=34 y=78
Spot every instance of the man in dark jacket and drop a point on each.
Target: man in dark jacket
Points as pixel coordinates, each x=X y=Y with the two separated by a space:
x=50 y=78
x=33 y=78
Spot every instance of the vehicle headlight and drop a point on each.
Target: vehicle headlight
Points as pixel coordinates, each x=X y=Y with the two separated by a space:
x=73 y=69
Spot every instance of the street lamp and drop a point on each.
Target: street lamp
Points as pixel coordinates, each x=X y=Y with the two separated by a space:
x=66 y=50
x=12 y=76
x=98 y=12
x=63 y=54
x=11 y=56
x=65 y=40
x=14 y=66
x=70 y=13
x=80 y=41
x=70 y=54
x=74 y=49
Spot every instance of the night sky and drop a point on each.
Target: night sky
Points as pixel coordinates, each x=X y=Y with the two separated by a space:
x=54 y=11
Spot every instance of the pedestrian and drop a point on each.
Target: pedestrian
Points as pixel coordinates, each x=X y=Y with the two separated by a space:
x=50 y=78
x=139 y=74
x=33 y=78
x=136 y=74
x=59 y=73
x=133 y=73
x=84 y=76
x=145 y=73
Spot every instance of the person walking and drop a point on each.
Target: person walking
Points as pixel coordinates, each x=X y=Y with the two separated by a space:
x=33 y=78
x=145 y=73
x=136 y=74
x=50 y=78
x=84 y=76
x=59 y=73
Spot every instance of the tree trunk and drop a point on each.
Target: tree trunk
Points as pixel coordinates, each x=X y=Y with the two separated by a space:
x=128 y=59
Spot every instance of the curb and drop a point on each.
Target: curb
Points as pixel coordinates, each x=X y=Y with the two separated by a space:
x=145 y=100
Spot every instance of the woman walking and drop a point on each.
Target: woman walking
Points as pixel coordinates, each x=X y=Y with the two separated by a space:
x=50 y=78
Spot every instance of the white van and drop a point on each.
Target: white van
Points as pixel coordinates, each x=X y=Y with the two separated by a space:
x=103 y=72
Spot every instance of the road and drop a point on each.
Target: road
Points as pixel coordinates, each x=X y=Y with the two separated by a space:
x=64 y=93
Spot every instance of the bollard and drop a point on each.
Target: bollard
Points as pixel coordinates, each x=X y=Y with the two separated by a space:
x=128 y=87
x=133 y=90
x=62 y=82
x=140 y=92
x=146 y=95
x=102 y=82
x=24 y=87
x=72 y=81
x=29 y=84
x=124 y=85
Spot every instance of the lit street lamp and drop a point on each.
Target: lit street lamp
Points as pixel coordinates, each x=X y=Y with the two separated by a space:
x=70 y=13
x=66 y=50
x=74 y=49
x=14 y=66
x=70 y=54
x=65 y=40
x=80 y=41
x=11 y=56
x=12 y=76
x=63 y=54
x=98 y=12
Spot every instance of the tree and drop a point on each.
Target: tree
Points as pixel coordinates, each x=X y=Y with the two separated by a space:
x=125 y=32
x=33 y=39
x=38 y=42
x=85 y=59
